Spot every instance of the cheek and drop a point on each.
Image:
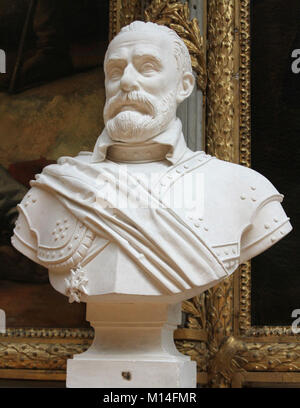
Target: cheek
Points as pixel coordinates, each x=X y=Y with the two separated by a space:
x=162 y=84
x=157 y=86
x=111 y=88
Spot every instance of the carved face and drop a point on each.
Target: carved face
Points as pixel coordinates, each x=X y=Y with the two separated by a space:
x=142 y=81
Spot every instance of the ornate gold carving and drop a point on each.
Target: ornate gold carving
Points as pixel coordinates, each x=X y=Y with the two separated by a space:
x=176 y=15
x=130 y=11
x=114 y=25
x=245 y=297
x=196 y=330
x=237 y=355
x=197 y=350
x=47 y=333
x=221 y=79
x=38 y=355
x=245 y=114
x=121 y=13
x=225 y=363
x=219 y=300
x=196 y=312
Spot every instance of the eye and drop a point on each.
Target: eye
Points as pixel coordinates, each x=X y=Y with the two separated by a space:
x=148 y=68
x=115 y=73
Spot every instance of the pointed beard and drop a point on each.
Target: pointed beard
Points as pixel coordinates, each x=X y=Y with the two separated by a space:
x=136 y=127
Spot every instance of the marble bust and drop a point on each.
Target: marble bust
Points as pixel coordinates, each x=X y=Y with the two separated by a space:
x=143 y=220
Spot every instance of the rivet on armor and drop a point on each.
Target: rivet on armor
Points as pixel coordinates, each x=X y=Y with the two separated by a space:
x=200 y=219
x=267 y=226
x=233 y=251
x=186 y=166
x=170 y=176
x=226 y=252
x=253 y=188
x=62 y=235
x=253 y=199
x=70 y=246
x=178 y=171
x=243 y=197
x=76 y=236
x=282 y=232
x=273 y=239
x=205 y=229
x=275 y=219
x=34 y=200
x=65 y=220
x=197 y=225
x=60 y=229
x=58 y=222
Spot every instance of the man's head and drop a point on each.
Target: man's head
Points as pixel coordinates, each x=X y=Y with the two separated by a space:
x=148 y=74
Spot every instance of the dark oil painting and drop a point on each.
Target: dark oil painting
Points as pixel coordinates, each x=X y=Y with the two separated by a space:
x=275 y=129
x=51 y=101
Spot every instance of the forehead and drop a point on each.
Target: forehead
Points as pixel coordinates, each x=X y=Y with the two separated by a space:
x=138 y=43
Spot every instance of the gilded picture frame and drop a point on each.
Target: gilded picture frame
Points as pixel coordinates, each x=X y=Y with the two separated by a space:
x=217 y=331
x=240 y=354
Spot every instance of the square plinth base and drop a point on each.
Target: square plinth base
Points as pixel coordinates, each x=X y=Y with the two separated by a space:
x=130 y=374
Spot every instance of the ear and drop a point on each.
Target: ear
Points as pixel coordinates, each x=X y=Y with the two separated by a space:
x=185 y=87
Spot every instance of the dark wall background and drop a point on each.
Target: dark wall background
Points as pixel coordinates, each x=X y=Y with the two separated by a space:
x=275 y=105
x=37 y=125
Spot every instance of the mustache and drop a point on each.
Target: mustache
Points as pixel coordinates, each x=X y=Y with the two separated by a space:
x=137 y=100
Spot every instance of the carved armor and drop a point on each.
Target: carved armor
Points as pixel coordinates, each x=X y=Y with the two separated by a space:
x=240 y=217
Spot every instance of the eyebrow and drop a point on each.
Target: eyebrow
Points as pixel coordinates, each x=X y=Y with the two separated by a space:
x=153 y=56
x=142 y=54
x=115 y=59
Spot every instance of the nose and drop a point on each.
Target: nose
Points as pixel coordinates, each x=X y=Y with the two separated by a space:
x=128 y=81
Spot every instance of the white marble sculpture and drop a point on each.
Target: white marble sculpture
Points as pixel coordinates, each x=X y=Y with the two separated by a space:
x=142 y=222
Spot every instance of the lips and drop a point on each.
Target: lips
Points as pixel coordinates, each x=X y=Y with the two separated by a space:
x=132 y=107
x=125 y=108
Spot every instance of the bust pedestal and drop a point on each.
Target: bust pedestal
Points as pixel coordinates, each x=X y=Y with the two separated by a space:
x=133 y=348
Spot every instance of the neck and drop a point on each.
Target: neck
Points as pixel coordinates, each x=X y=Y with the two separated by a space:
x=140 y=152
x=137 y=153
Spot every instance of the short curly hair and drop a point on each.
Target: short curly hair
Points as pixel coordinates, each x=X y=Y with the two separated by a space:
x=181 y=52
